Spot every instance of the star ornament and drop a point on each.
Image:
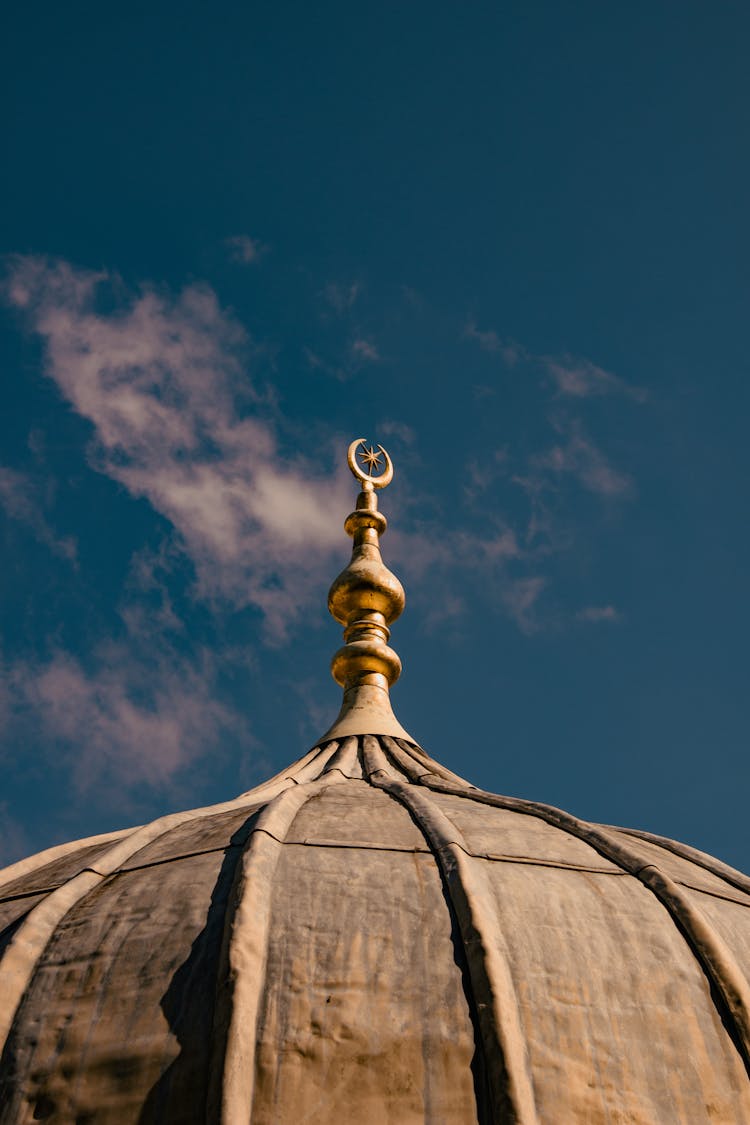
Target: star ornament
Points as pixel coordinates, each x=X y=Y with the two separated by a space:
x=370 y=458
x=363 y=459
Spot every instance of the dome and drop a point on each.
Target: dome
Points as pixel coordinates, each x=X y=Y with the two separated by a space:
x=370 y=938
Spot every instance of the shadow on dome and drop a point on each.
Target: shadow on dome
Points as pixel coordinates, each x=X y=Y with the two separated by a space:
x=189 y=1004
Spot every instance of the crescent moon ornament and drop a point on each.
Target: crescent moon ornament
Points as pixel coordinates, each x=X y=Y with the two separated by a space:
x=371 y=458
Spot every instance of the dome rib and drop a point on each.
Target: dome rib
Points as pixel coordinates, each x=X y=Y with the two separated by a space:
x=346 y=760
x=311 y=770
x=495 y=1001
x=292 y=773
x=245 y=950
x=710 y=950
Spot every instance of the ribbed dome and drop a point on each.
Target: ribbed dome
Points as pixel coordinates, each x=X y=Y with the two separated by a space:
x=368 y=938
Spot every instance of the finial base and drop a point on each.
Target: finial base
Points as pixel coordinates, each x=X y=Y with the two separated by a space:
x=366 y=709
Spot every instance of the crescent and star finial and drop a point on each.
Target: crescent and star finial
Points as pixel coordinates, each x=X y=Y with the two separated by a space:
x=366 y=598
x=369 y=458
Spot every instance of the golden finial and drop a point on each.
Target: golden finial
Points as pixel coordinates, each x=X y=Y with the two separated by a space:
x=366 y=598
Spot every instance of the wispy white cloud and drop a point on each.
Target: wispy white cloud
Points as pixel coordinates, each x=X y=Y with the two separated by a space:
x=481 y=473
x=22 y=500
x=392 y=428
x=364 y=349
x=572 y=376
x=123 y=719
x=443 y=567
x=580 y=378
x=245 y=250
x=341 y=297
x=595 y=614
x=134 y=713
x=175 y=420
x=482 y=392
x=425 y=548
x=521 y=596
x=578 y=456
x=148 y=611
x=490 y=341
x=352 y=359
x=318 y=363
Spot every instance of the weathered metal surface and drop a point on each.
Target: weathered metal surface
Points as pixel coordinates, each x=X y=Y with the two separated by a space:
x=617 y=1013
x=215 y=831
x=356 y=814
x=367 y=938
x=729 y=981
x=24 y=945
x=364 y=1017
x=115 y=1025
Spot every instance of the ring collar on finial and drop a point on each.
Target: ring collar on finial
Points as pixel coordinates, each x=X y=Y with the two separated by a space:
x=372 y=459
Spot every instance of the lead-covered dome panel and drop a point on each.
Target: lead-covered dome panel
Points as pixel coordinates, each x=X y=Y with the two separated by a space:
x=368 y=938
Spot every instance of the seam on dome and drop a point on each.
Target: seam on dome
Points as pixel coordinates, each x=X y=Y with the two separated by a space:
x=638 y=871
x=361 y=844
x=498 y=1023
x=167 y=859
x=722 y=871
x=713 y=894
x=554 y=864
x=30 y=894
x=708 y=947
x=346 y=776
x=357 y=845
x=490 y=857
x=688 y=886
x=36 y=862
x=493 y=857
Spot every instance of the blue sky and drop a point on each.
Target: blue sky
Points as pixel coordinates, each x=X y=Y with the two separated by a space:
x=508 y=241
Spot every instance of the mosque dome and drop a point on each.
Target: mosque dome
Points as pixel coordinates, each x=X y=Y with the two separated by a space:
x=368 y=938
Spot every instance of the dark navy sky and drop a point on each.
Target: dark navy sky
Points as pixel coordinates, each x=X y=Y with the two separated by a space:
x=508 y=241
